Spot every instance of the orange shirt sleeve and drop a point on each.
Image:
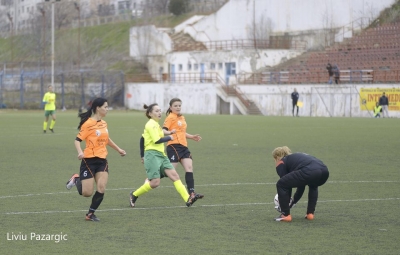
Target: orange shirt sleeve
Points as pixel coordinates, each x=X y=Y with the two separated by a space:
x=168 y=122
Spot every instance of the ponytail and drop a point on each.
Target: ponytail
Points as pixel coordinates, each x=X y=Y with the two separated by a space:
x=98 y=102
x=149 y=109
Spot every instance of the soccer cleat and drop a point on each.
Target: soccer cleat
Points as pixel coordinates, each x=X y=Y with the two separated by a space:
x=200 y=196
x=91 y=217
x=284 y=218
x=132 y=199
x=44 y=131
x=71 y=181
x=309 y=216
x=51 y=130
x=192 y=198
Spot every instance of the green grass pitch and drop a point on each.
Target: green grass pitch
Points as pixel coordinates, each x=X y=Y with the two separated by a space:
x=357 y=212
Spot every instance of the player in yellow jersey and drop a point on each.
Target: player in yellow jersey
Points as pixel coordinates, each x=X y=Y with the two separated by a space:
x=94 y=166
x=156 y=163
x=49 y=99
x=177 y=149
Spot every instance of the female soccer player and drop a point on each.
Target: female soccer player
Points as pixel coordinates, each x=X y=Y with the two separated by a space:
x=297 y=170
x=49 y=99
x=94 y=166
x=156 y=162
x=177 y=150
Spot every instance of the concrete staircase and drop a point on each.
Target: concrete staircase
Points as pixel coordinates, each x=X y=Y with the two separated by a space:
x=239 y=99
x=184 y=42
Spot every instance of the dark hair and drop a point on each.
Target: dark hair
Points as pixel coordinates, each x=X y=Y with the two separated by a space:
x=173 y=100
x=98 y=102
x=149 y=109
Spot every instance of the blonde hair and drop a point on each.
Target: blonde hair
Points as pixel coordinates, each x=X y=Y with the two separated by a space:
x=280 y=152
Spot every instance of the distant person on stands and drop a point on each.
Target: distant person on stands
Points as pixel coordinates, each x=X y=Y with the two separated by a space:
x=377 y=110
x=295 y=97
x=330 y=72
x=336 y=73
x=384 y=102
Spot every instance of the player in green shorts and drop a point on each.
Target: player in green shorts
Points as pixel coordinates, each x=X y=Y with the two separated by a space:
x=49 y=99
x=156 y=162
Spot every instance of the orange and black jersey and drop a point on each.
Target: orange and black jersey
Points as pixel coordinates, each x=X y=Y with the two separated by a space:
x=297 y=161
x=177 y=122
x=95 y=134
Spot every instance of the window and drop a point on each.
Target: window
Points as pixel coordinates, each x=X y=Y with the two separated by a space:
x=219 y=66
x=189 y=67
x=233 y=66
x=180 y=67
x=212 y=66
x=123 y=6
x=196 y=67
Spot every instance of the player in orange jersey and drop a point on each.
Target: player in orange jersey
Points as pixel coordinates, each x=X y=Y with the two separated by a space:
x=177 y=149
x=94 y=166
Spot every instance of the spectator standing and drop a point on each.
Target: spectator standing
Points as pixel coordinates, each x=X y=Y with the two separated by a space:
x=384 y=102
x=336 y=73
x=330 y=72
x=295 y=97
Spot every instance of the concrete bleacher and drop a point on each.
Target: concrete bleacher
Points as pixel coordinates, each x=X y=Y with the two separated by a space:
x=372 y=56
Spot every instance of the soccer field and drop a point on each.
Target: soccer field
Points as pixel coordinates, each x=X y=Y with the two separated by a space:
x=357 y=211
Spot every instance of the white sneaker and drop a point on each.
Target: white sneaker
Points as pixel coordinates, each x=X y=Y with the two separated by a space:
x=71 y=181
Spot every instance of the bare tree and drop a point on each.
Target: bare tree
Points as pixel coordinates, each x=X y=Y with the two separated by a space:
x=159 y=6
x=259 y=31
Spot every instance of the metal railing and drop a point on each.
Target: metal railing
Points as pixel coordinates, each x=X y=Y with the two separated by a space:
x=275 y=43
x=320 y=77
x=74 y=89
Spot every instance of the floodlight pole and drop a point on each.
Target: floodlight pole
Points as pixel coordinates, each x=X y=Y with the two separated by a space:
x=77 y=7
x=12 y=36
x=43 y=12
x=52 y=44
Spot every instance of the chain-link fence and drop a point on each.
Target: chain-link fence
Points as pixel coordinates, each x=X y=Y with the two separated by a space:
x=73 y=89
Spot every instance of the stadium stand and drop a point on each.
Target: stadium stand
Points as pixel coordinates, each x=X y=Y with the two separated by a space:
x=372 y=56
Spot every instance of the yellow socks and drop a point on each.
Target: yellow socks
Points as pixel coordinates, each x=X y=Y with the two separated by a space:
x=52 y=123
x=45 y=125
x=181 y=190
x=142 y=190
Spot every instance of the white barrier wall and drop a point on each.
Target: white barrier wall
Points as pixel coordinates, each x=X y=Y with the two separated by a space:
x=196 y=98
x=319 y=100
x=273 y=100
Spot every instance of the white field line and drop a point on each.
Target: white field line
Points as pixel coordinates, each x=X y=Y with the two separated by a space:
x=215 y=205
x=200 y=185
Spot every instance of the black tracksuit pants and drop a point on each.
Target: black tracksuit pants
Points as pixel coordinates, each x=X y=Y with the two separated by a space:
x=313 y=175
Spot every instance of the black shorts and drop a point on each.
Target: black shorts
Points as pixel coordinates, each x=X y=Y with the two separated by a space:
x=91 y=166
x=176 y=152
